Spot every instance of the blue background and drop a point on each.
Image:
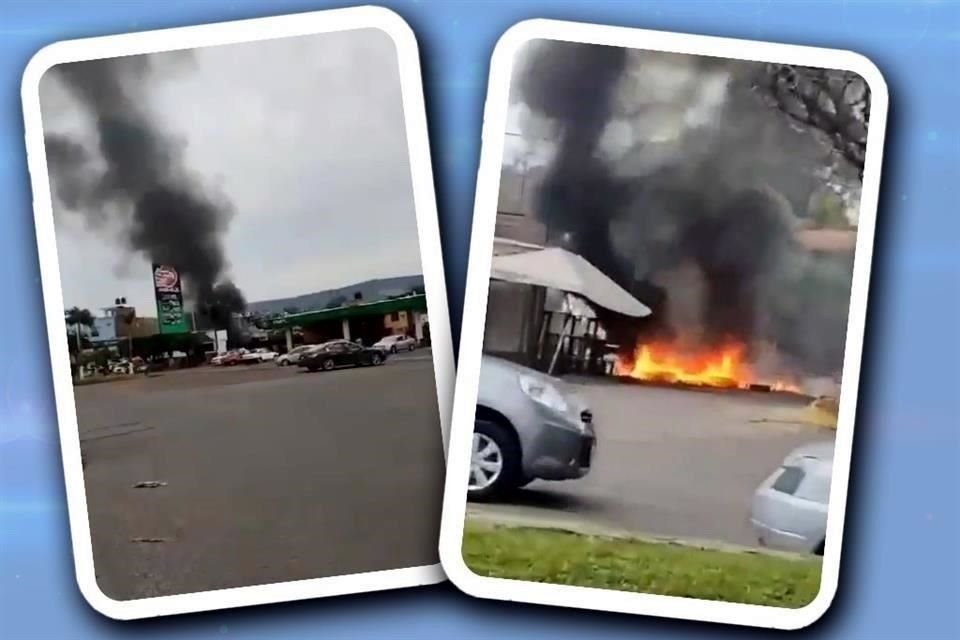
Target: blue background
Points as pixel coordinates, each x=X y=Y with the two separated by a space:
x=899 y=576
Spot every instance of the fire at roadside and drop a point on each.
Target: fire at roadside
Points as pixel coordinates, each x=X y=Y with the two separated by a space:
x=725 y=368
x=688 y=190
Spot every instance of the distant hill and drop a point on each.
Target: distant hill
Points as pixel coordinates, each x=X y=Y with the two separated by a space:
x=371 y=290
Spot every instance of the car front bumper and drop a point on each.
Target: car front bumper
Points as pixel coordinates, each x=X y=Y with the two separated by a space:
x=560 y=450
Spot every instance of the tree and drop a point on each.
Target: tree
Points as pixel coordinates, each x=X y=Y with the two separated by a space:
x=828 y=210
x=835 y=104
x=75 y=344
x=77 y=318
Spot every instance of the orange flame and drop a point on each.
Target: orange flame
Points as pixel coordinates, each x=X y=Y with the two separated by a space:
x=721 y=367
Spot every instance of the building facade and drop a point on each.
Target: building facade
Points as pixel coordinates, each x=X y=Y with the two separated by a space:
x=364 y=322
x=516 y=207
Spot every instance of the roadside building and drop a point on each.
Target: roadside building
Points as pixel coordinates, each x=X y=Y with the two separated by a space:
x=516 y=207
x=544 y=317
x=367 y=322
x=104 y=329
x=514 y=311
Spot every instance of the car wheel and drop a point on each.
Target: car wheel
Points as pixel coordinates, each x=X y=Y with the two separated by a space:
x=376 y=359
x=328 y=364
x=393 y=349
x=412 y=347
x=494 y=462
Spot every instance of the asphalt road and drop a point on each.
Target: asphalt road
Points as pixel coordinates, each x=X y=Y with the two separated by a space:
x=273 y=474
x=670 y=462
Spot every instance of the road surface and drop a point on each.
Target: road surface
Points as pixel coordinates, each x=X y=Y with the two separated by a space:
x=272 y=474
x=669 y=462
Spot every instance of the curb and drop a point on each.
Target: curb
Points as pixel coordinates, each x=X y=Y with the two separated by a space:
x=487 y=518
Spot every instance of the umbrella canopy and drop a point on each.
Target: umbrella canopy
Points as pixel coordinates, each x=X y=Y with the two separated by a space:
x=557 y=268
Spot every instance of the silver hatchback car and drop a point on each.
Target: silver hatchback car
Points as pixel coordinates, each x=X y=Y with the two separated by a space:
x=790 y=507
x=528 y=426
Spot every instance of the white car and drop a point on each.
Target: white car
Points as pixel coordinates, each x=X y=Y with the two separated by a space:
x=293 y=356
x=790 y=507
x=258 y=355
x=395 y=343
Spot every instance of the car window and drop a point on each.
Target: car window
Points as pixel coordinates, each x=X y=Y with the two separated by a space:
x=788 y=480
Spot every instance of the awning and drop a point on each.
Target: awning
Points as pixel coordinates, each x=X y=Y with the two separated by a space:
x=417 y=302
x=558 y=268
x=567 y=303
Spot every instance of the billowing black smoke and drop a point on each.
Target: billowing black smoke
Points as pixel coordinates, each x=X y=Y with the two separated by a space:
x=136 y=179
x=676 y=191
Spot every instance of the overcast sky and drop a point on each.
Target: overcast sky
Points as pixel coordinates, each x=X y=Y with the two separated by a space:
x=306 y=137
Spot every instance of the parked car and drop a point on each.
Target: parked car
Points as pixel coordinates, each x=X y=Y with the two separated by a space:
x=790 y=507
x=528 y=426
x=257 y=356
x=341 y=353
x=293 y=356
x=125 y=367
x=395 y=343
x=231 y=358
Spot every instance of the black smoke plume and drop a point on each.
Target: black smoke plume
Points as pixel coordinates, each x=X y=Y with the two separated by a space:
x=132 y=176
x=715 y=195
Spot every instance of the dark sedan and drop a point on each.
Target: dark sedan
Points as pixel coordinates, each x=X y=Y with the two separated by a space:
x=341 y=353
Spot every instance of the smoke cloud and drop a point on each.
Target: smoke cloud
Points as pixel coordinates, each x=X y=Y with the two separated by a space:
x=133 y=176
x=675 y=180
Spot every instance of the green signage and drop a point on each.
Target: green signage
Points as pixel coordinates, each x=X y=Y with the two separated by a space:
x=167 y=289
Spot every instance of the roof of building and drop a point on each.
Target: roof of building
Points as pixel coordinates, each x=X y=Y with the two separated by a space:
x=380 y=307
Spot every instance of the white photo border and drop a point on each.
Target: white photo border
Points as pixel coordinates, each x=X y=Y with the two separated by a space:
x=475 y=307
x=192 y=37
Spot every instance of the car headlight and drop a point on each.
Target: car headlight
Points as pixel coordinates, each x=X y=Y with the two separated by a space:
x=543 y=392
